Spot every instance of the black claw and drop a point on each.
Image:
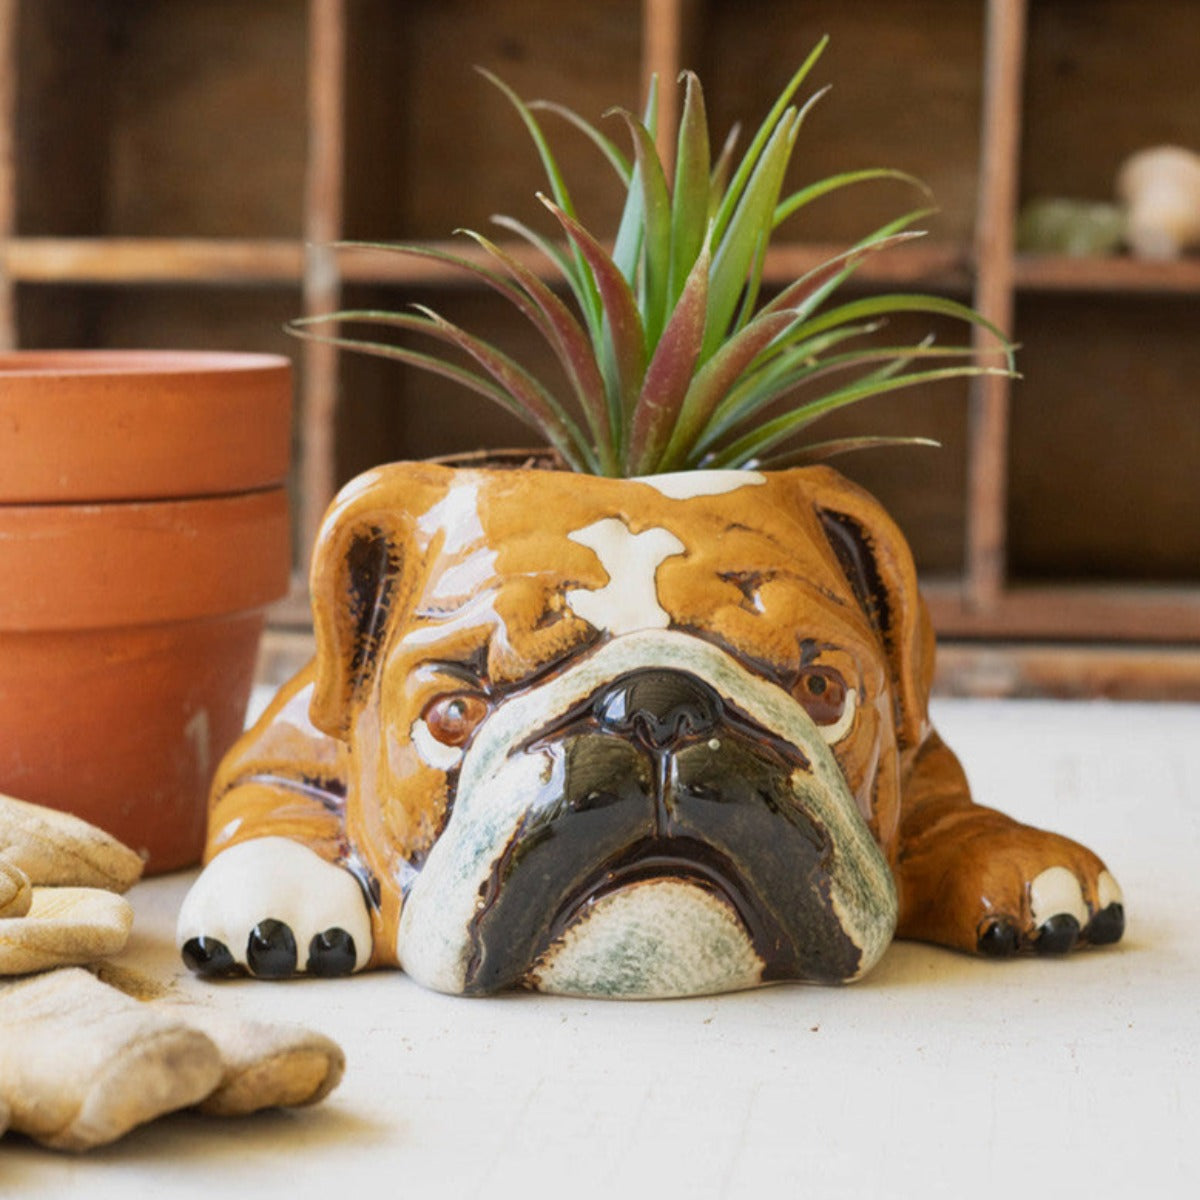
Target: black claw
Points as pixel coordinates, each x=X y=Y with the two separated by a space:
x=331 y=953
x=208 y=957
x=1058 y=935
x=271 y=950
x=1107 y=925
x=999 y=938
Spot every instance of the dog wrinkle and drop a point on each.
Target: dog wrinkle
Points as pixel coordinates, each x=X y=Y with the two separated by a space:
x=748 y=583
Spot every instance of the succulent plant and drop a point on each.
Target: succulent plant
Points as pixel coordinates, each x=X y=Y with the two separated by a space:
x=671 y=361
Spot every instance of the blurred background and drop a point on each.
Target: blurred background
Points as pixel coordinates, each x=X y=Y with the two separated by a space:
x=173 y=173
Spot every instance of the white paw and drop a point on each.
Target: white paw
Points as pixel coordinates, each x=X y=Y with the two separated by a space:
x=274 y=908
x=1062 y=917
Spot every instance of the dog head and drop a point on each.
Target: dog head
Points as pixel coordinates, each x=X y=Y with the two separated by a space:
x=622 y=737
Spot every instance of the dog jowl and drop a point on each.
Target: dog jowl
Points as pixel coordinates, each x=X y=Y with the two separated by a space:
x=615 y=737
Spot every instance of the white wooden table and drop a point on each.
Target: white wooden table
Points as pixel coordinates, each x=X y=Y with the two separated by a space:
x=937 y=1076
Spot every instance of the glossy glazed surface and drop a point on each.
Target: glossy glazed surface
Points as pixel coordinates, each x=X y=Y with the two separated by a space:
x=625 y=737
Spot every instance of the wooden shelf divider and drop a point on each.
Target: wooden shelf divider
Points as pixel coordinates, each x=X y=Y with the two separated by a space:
x=8 y=165
x=323 y=202
x=662 y=43
x=995 y=231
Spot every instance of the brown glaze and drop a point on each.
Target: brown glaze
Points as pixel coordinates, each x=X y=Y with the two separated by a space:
x=429 y=582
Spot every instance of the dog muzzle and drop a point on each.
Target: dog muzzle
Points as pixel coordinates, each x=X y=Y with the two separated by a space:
x=654 y=821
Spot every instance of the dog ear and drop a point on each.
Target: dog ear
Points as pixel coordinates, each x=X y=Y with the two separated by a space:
x=877 y=561
x=365 y=567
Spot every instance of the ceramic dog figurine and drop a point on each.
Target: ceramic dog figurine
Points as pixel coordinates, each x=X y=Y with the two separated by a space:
x=615 y=737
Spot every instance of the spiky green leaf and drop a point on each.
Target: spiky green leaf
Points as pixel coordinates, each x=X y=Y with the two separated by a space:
x=689 y=189
x=554 y=175
x=627 y=248
x=714 y=380
x=905 y=302
x=822 y=187
x=756 y=444
x=818 y=452
x=656 y=232
x=735 y=251
x=733 y=193
x=605 y=145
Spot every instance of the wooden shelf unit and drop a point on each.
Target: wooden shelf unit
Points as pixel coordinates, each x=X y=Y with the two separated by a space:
x=189 y=190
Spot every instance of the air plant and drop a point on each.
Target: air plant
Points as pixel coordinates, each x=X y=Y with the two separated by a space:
x=671 y=362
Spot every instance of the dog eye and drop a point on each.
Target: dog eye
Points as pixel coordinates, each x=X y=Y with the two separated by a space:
x=822 y=692
x=452 y=719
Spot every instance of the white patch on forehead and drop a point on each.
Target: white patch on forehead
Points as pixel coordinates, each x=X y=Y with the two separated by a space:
x=684 y=485
x=456 y=515
x=629 y=600
x=432 y=752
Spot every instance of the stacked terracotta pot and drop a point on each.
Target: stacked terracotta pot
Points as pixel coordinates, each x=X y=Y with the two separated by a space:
x=143 y=533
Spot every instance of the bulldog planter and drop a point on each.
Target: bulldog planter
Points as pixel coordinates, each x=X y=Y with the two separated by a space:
x=654 y=728
x=619 y=737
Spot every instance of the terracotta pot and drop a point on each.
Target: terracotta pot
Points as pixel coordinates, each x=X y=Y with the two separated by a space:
x=143 y=532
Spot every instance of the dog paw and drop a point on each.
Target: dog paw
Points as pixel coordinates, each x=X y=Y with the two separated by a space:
x=272 y=908
x=1063 y=908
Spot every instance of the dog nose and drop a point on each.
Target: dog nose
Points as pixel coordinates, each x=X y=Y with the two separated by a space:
x=660 y=708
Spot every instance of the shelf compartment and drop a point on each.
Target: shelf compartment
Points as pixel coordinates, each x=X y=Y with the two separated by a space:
x=1065 y=671
x=432 y=146
x=1103 y=80
x=182 y=318
x=157 y=118
x=1105 y=441
x=907 y=95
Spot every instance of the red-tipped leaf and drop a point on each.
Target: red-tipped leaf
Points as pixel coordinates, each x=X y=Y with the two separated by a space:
x=620 y=307
x=670 y=372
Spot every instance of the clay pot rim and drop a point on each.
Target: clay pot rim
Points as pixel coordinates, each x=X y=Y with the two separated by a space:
x=76 y=363
x=101 y=425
